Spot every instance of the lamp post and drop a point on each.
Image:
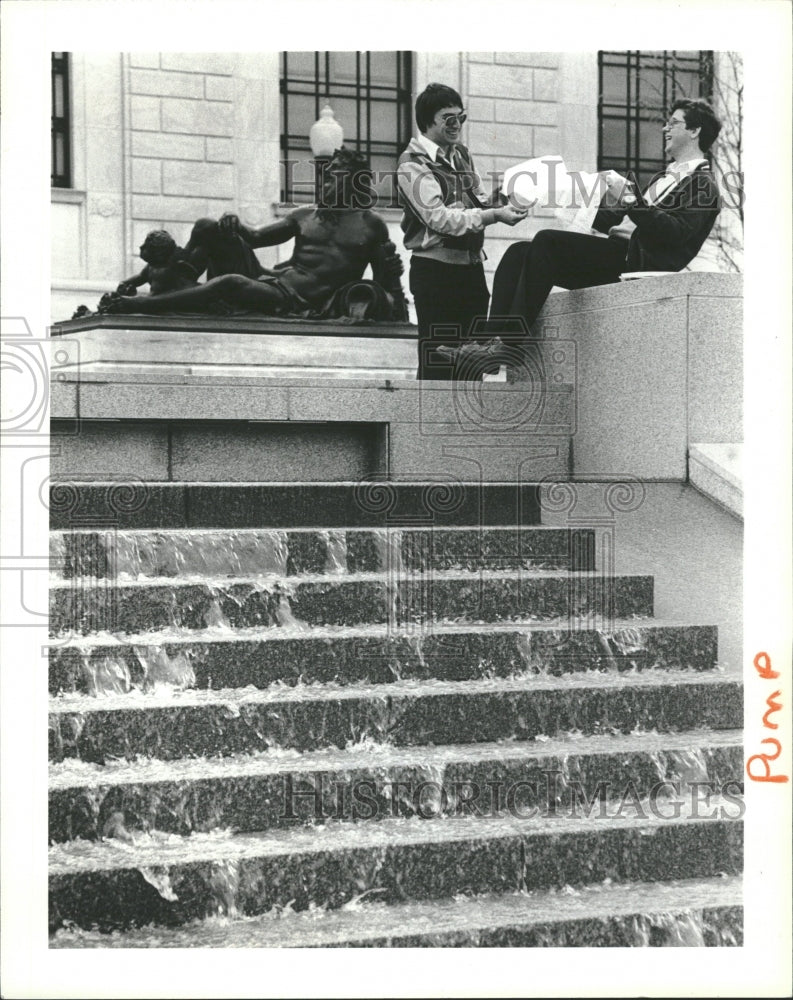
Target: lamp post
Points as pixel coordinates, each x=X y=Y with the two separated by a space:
x=325 y=137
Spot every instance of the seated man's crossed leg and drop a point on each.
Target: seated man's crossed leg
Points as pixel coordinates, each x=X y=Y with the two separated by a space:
x=525 y=276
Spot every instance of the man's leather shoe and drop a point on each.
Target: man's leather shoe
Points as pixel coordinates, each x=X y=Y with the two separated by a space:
x=485 y=358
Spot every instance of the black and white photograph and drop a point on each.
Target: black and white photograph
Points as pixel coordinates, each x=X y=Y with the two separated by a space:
x=395 y=505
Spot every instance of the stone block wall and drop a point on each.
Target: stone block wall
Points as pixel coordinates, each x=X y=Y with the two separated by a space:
x=527 y=104
x=203 y=139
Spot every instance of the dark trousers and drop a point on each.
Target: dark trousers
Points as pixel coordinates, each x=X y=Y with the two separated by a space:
x=528 y=271
x=448 y=297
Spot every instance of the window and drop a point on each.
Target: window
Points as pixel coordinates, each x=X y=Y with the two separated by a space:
x=636 y=90
x=370 y=94
x=61 y=169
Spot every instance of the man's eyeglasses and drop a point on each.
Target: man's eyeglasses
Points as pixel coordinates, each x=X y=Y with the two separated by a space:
x=454 y=119
x=675 y=121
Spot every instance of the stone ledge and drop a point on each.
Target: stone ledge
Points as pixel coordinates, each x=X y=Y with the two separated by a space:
x=715 y=470
x=116 y=345
x=649 y=289
x=201 y=323
x=657 y=363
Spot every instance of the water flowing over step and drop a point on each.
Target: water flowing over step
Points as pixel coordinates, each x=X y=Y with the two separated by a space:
x=693 y=913
x=291 y=654
x=266 y=733
x=393 y=859
x=273 y=552
x=366 y=780
x=488 y=596
x=406 y=713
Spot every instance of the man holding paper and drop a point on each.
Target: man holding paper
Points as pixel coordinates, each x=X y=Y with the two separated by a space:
x=660 y=230
x=446 y=211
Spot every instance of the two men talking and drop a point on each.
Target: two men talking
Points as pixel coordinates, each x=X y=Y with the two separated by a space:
x=446 y=212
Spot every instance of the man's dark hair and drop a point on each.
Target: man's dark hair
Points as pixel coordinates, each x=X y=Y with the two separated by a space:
x=430 y=101
x=699 y=114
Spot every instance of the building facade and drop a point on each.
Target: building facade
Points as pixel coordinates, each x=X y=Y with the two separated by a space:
x=149 y=140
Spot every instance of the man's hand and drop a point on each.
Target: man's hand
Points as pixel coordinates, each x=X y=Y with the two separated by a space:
x=391 y=262
x=230 y=224
x=619 y=189
x=511 y=216
x=127 y=288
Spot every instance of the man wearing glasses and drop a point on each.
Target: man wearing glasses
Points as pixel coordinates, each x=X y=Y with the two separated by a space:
x=445 y=213
x=660 y=230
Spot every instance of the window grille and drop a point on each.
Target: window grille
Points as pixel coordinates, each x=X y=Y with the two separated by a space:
x=370 y=94
x=635 y=93
x=61 y=124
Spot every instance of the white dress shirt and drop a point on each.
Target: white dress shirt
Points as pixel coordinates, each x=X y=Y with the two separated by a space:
x=675 y=173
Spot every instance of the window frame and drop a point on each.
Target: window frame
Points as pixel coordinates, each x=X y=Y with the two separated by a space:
x=366 y=94
x=639 y=114
x=61 y=125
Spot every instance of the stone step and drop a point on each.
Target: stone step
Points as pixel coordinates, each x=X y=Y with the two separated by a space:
x=262 y=791
x=405 y=713
x=377 y=654
x=172 y=880
x=687 y=913
x=373 y=503
x=217 y=552
x=88 y=605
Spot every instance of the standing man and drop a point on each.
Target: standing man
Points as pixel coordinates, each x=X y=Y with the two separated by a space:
x=660 y=230
x=445 y=213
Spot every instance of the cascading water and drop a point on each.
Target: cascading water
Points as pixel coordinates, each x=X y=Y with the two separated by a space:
x=200 y=553
x=670 y=930
x=163 y=670
x=244 y=577
x=224 y=883
x=105 y=674
x=388 y=545
x=335 y=552
x=160 y=878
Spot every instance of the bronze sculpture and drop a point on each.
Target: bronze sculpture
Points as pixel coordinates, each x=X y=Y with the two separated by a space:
x=169 y=267
x=334 y=243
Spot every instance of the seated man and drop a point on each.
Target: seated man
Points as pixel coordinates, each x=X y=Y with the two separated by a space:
x=333 y=246
x=664 y=230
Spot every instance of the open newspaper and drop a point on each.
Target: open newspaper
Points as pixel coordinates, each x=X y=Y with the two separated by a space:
x=546 y=182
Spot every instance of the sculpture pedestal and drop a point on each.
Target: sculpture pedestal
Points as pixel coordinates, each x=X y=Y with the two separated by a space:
x=239 y=400
x=238 y=345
